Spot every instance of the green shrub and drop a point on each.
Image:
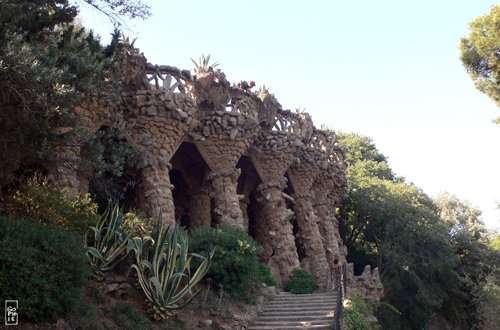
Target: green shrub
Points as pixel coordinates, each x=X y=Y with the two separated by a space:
x=42 y=267
x=36 y=200
x=127 y=317
x=265 y=275
x=235 y=265
x=300 y=282
x=357 y=310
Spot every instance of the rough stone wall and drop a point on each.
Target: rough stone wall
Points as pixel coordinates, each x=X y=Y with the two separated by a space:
x=166 y=106
x=368 y=283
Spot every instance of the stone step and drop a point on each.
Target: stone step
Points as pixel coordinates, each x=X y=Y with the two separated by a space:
x=303 y=297
x=305 y=300
x=293 y=324
x=298 y=318
x=288 y=327
x=288 y=311
x=326 y=312
x=298 y=310
x=301 y=304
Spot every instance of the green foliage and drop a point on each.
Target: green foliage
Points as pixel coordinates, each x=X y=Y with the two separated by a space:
x=487 y=300
x=112 y=161
x=42 y=267
x=396 y=227
x=162 y=264
x=301 y=282
x=476 y=260
x=495 y=243
x=106 y=245
x=127 y=317
x=235 y=265
x=355 y=312
x=479 y=53
x=36 y=200
x=265 y=275
x=47 y=66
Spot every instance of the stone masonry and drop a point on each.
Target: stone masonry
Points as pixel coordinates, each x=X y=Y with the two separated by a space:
x=222 y=154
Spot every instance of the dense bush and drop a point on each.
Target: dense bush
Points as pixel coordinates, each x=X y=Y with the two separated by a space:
x=235 y=265
x=36 y=200
x=42 y=267
x=300 y=282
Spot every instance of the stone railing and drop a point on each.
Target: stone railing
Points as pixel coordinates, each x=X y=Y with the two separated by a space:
x=297 y=123
x=243 y=102
x=323 y=140
x=168 y=78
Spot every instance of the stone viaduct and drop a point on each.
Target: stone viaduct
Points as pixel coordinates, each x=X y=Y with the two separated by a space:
x=222 y=154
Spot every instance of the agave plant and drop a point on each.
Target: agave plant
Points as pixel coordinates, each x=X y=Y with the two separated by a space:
x=203 y=64
x=105 y=243
x=162 y=264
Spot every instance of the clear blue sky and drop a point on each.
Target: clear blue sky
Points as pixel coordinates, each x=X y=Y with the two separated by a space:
x=385 y=69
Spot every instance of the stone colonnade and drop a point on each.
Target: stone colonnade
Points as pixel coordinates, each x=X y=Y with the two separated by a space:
x=167 y=107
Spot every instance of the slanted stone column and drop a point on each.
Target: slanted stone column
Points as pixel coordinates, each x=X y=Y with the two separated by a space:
x=327 y=230
x=274 y=230
x=325 y=210
x=157 y=191
x=303 y=174
x=199 y=208
x=311 y=237
x=272 y=153
x=226 y=202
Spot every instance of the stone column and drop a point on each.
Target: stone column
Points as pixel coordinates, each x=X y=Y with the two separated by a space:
x=325 y=210
x=274 y=230
x=158 y=191
x=199 y=208
x=311 y=237
x=226 y=201
x=327 y=229
x=244 y=201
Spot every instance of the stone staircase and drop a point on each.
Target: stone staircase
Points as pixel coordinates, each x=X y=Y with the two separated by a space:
x=291 y=311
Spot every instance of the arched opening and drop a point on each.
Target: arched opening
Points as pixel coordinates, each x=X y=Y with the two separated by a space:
x=247 y=182
x=190 y=194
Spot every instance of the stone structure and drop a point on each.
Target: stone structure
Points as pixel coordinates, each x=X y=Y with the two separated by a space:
x=221 y=154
